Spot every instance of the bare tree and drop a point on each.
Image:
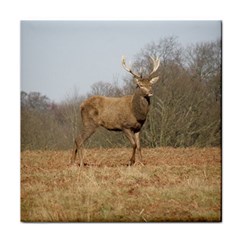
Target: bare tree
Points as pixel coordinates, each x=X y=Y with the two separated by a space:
x=106 y=89
x=186 y=109
x=126 y=114
x=204 y=60
x=70 y=111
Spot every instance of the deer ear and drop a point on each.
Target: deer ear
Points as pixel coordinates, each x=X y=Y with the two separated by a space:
x=137 y=81
x=154 y=80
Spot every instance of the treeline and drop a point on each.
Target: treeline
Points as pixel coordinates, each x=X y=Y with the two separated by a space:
x=185 y=109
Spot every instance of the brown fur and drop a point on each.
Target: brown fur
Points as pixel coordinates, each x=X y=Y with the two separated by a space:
x=126 y=114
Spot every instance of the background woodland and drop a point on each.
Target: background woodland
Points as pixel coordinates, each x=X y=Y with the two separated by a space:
x=185 y=109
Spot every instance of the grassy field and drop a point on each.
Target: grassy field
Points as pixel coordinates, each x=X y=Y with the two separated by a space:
x=182 y=184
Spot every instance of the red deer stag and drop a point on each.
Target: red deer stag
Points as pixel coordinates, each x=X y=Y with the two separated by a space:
x=127 y=113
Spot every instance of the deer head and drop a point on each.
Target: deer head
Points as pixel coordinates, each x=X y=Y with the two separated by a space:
x=145 y=83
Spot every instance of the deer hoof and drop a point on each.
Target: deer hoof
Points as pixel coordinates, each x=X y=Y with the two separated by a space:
x=131 y=162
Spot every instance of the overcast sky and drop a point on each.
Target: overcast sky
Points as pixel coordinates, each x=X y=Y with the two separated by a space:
x=58 y=56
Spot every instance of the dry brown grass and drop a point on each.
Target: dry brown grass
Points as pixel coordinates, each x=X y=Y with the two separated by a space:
x=174 y=185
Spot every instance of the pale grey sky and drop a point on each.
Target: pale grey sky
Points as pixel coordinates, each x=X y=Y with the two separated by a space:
x=58 y=56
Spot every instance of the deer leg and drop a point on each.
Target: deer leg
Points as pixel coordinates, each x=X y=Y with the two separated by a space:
x=79 y=141
x=137 y=140
x=130 y=136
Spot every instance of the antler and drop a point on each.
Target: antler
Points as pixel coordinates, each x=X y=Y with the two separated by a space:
x=156 y=64
x=129 y=69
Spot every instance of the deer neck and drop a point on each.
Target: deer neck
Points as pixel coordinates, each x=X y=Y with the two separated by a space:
x=140 y=105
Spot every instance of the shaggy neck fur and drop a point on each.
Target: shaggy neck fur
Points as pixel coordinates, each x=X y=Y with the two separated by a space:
x=140 y=105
